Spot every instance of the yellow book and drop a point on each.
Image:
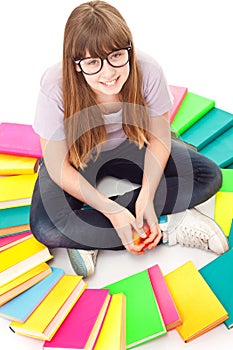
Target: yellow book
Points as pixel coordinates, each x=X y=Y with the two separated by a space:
x=113 y=332
x=49 y=315
x=198 y=306
x=21 y=258
x=17 y=165
x=17 y=187
x=23 y=282
x=223 y=212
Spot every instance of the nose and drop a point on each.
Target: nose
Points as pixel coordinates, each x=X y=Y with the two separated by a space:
x=107 y=69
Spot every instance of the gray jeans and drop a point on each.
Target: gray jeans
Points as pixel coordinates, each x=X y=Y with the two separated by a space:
x=59 y=220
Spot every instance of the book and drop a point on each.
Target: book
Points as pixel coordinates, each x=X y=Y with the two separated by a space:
x=19 y=139
x=144 y=321
x=14 y=216
x=17 y=187
x=193 y=108
x=82 y=325
x=223 y=211
x=163 y=296
x=21 y=258
x=14 y=230
x=15 y=203
x=216 y=121
x=113 y=332
x=222 y=287
x=227 y=180
x=198 y=306
x=178 y=93
x=230 y=238
x=10 y=241
x=220 y=150
x=17 y=165
x=52 y=311
x=24 y=281
x=21 y=307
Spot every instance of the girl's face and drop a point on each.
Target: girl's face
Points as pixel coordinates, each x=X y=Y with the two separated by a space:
x=107 y=83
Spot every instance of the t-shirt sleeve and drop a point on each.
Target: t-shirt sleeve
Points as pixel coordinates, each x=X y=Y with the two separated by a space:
x=49 y=114
x=155 y=87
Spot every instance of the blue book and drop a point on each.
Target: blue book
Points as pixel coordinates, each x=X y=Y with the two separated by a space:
x=221 y=149
x=21 y=307
x=230 y=237
x=14 y=216
x=208 y=128
x=229 y=166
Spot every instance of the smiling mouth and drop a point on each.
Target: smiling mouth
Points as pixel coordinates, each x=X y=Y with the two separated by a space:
x=110 y=83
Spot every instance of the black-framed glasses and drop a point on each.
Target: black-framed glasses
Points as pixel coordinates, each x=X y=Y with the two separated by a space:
x=93 y=65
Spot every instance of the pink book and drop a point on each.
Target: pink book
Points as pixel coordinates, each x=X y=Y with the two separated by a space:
x=20 y=140
x=10 y=241
x=166 y=304
x=81 y=327
x=178 y=92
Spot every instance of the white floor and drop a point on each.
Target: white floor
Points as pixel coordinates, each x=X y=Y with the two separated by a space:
x=112 y=266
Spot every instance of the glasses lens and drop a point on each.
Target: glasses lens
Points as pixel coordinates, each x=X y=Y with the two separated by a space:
x=90 y=65
x=119 y=58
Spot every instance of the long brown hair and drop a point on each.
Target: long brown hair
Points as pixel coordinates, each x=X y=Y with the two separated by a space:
x=98 y=27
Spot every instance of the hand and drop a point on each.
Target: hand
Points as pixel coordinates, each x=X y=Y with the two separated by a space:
x=147 y=219
x=125 y=224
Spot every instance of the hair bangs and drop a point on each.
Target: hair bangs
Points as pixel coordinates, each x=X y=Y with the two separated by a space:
x=99 y=40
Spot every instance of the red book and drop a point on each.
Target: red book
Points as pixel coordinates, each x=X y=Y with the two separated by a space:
x=178 y=92
x=20 y=140
x=165 y=301
x=10 y=241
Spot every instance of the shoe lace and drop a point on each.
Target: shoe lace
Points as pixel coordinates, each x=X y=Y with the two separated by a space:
x=192 y=237
x=93 y=254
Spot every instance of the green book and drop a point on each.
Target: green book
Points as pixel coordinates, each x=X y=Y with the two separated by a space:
x=14 y=216
x=143 y=318
x=206 y=129
x=219 y=276
x=191 y=110
x=227 y=180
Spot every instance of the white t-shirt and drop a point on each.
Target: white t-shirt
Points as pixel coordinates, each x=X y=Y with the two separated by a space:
x=49 y=123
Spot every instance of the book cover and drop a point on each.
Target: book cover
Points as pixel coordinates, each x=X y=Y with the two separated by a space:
x=223 y=211
x=113 y=332
x=21 y=258
x=49 y=315
x=14 y=216
x=17 y=165
x=198 y=306
x=220 y=150
x=17 y=187
x=216 y=121
x=14 y=230
x=21 y=307
x=21 y=283
x=222 y=287
x=144 y=321
x=193 y=108
x=178 y=93
x=82 y=325
x=163 y=296
x=227 y=180
x=9 y=241
x=19 y=139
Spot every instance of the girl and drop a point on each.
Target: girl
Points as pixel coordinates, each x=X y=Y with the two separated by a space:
x=105 y=112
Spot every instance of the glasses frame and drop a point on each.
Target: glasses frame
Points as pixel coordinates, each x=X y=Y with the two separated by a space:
x=78 y=62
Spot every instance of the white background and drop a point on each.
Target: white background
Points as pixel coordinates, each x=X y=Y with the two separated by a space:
x=192 y=40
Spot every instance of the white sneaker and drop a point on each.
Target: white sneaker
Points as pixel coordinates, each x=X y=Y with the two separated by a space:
x=194 y=229
x=83 y=261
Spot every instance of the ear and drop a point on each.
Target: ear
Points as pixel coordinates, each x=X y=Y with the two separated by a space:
x=77 y=68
